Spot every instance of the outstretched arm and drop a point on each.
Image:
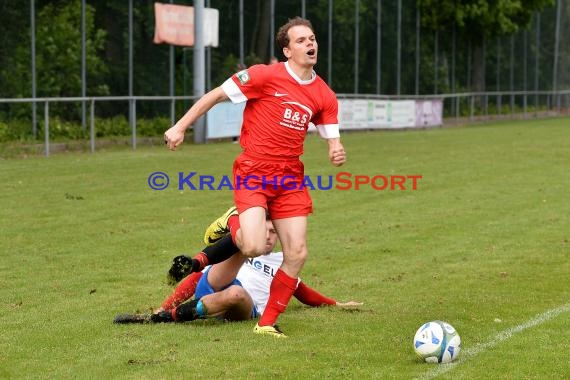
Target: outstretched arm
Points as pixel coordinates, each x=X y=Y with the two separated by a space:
x=175 y=135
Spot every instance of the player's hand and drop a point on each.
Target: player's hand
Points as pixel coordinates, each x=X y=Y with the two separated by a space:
x=174 y=137
x=349 y=305
x=337 y=155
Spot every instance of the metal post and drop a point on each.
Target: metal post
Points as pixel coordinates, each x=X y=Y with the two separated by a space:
x=33 y=59
x=199 y=67
x=272 y=34
x=134 y=124
x=435 y=63
x=498 y=75
x=525 y=69
x=241 y=33
x=83 y=67
x=485 y=97
x=130 y=47
x=208 y=51
x=171 y=81
x=455 y=102
x=303 y=9
x=469 y=57
x=46 y=128
x=417 y=85
x=537 y=62
x=379 y=46
x=399 y=47
x=131 y=120
x=556 y=48
x=356 y=44
x=512 y=74
x=329 y=52
x=92 y=126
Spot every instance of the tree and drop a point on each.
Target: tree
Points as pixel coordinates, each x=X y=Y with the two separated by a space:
x=58 y=55
x=478 y=21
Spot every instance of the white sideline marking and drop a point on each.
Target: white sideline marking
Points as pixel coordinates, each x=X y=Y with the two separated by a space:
x=502 y=336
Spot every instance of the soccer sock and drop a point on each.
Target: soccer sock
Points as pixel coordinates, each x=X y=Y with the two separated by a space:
x=184 y=291
x=213 y=254
x=311 y=297
x=189 y=311
x=280 y=292
x=233 y=225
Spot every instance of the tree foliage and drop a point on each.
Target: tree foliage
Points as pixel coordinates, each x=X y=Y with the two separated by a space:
x=480 y=18
x=58 y=45
x=477 y=21
x=58 y=55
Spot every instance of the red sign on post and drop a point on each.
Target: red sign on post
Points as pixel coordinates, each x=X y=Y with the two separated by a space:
x=174 y=24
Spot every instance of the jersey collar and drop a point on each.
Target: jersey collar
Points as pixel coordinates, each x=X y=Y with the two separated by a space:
x=296 y=77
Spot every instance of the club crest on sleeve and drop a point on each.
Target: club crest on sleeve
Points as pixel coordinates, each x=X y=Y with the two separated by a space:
x=243 y=76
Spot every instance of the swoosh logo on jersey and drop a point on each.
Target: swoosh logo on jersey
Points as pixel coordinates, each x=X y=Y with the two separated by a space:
x=278 y=94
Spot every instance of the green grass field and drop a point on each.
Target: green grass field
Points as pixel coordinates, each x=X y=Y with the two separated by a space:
x=483 y=243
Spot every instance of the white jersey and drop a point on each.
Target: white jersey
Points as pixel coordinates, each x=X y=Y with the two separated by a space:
x=256 y=275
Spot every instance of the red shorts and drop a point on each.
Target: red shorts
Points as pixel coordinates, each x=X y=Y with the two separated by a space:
x=276 y=186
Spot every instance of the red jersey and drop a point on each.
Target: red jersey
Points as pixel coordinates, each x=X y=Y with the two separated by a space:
x=279 y=108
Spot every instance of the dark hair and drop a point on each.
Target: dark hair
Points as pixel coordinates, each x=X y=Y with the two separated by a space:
x=282 y=36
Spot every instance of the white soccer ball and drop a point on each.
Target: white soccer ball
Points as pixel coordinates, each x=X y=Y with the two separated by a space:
x=437 y=342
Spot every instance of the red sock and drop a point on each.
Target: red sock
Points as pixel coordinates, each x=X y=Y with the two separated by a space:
x=183 y=292
x=280 y=292
x=233 y=224
x=202 y=260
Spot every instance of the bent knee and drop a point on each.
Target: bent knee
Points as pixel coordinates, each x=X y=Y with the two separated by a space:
x=237 y=295
x=298 y=252
x=253 y=249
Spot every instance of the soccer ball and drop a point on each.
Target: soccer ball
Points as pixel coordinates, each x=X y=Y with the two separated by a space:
x=437 y=342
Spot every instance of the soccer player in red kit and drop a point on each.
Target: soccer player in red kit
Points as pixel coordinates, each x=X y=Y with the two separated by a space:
x=281 y=101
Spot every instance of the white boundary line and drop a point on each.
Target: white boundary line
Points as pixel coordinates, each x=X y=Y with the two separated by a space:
x=500 y=337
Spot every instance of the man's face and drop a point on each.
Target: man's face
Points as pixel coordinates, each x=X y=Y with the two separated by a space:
x=303 y=47
x=271 y=239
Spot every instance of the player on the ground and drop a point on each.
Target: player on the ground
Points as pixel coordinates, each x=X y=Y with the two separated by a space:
x=281 y=101
x=236 y=289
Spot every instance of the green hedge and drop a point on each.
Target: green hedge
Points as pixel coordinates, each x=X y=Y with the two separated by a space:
x=21 y=130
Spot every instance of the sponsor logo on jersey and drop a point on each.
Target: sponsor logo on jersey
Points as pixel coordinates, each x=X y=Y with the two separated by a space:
x=296 y=116
x=263 y=268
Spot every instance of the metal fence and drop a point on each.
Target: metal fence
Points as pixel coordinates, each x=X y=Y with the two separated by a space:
x=458 y=108
x=380 y=49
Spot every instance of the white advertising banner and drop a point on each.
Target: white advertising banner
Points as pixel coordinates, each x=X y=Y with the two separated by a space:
x=375 y=114
x=429 y=113
x=224 y=120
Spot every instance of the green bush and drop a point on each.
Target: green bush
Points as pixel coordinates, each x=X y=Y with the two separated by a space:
x=118 y=126
x=18 y=130
x=152 y=127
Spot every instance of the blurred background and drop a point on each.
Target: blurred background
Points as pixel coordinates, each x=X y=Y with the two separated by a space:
x=512 y=54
